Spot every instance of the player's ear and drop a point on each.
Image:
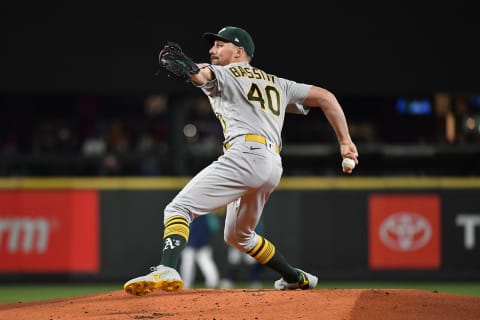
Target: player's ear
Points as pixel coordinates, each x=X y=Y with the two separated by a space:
x=240 y=51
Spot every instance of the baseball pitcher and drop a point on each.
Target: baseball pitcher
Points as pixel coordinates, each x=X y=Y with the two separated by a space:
x=250 y=104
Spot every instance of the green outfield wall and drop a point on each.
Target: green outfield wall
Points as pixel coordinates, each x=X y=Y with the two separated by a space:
x=340 y=228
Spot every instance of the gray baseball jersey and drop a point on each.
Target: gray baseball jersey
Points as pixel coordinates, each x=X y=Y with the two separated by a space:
x=251 y=105
x=248 y=100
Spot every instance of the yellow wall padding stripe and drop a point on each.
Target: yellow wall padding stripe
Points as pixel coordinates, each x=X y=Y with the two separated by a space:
x=287 y=183
x=177 y=226
x=263 y=251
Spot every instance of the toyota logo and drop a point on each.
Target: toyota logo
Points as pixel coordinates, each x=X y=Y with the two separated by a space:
x=405 y=231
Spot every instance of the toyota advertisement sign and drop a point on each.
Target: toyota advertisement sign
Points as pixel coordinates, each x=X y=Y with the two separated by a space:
x=404 y=231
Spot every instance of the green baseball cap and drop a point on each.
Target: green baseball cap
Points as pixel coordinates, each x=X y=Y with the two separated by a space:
x=235 y=35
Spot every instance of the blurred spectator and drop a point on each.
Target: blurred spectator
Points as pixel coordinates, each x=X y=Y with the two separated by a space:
x=87 y=110
x=156 y=117
x=199 y=252
x=118 y=138
x=145 y=143
x=94 y=145
x=138 y=130
x=66 y=142
x=150 y=166
x=43 y=140
x=110 y=166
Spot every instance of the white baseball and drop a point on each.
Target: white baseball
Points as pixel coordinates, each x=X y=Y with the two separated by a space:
x=348 y=163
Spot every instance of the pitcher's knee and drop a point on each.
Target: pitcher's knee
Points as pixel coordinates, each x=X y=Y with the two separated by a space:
x=242 y=243
x=229 y=239
x=172 y=210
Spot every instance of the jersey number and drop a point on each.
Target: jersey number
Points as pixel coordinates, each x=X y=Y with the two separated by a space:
x=269 y=97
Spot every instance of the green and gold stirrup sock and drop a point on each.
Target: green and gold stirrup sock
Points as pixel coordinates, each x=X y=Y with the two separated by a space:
x=265 y=253
x=175 y=238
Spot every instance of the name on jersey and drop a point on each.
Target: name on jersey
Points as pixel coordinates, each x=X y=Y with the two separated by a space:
x=252 y=73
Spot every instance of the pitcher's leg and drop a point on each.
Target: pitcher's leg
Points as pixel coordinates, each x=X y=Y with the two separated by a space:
x=175 y=238
x=242 y=218
x=164 y=276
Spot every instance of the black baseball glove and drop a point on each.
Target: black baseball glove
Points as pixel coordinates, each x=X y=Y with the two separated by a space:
x=176 y=62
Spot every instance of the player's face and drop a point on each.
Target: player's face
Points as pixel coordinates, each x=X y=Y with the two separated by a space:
x=223 y=53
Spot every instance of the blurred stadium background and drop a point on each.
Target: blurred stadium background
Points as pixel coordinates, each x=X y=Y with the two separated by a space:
x=93 y=144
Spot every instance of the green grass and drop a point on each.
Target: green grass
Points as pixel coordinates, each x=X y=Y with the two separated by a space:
x=34 y=292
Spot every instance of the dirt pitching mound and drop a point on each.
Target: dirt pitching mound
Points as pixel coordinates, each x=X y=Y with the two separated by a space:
x=239 y=304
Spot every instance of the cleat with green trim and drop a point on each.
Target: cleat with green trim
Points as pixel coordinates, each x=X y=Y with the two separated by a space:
x=306 y=281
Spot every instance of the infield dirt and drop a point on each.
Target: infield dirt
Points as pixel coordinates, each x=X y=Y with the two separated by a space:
x=239 y=304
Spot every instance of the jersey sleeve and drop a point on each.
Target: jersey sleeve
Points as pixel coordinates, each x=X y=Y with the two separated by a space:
x=297 y=108
x=296 y=95
x=214 y=87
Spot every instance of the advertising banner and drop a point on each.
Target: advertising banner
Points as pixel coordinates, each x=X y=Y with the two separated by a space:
x=49 y=231
x=404 y=231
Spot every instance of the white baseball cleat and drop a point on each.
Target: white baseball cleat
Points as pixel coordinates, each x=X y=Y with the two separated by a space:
x=307 y=281
x=161 y=278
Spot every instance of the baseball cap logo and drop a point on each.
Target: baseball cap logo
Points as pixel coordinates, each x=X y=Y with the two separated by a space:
x=236 y=39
